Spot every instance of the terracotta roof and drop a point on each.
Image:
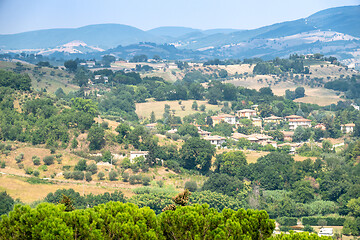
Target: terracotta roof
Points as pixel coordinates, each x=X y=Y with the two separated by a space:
x=349 y=125
x=273 y=118
x=300 y=120
x=246 y=110
x=215 y=137
x=293 y=116
x=239 y=135
x=226 y=115
x=139 y=152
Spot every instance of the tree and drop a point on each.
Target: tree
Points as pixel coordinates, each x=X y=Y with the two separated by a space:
x=303 y=192
x=71 y=65
x=326 y=146
x=232 y=163
x=191 y=185
x=152 y=117
x=6 y=203
x=196 y=153
x=299 y=92
x=88 y=176
x=48 y=160
x=188 y=129
x=223 y=183
x=194 y=106
x=81 y=165
x=96 y=137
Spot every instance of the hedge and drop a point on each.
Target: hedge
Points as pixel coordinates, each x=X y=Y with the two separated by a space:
x=287 y=221
x=331 y=221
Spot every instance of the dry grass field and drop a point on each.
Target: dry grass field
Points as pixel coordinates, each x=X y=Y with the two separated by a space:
x=143 y=110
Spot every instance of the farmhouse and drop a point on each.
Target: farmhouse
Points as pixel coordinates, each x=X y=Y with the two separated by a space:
x=203 y=133
x=135 y=154
x=273 y=119
x=151 y=125
x=246 y=113
x=296 y=121
x=215 y=140
x=230 y=119
x=257 y=122
x=288 y=136
x=348 y=128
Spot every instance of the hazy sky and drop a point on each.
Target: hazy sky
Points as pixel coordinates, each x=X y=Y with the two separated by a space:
x=26 y=15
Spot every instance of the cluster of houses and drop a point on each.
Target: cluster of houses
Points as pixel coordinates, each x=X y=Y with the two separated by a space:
x=294 y=122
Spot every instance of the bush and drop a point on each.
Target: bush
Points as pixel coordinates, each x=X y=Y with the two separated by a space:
x=19 y=158
x=125 y=176
x=48 y=160
x=2 y=164
x=308 y=228
x=36 y=173
x=160 y=183
x=191 y=186
x=132 y=179
x=36 y=160
x=146 y=180
x=52 y=150
x=92 y=168
x=78 y=175
x=287 y=221
x=67 y=175
x=21 y=166
x=43 y=168
x=29 y=171
x=88 y=177
x=113 y=175
x=101 y=175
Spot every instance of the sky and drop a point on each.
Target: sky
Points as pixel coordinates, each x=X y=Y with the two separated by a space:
x=27 y=15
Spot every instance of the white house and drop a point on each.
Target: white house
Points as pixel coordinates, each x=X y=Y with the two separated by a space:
x=348 y=128
x=296 y=121
x=135 y=154
x=230 y=119
x=215 y=140
x=326 y=232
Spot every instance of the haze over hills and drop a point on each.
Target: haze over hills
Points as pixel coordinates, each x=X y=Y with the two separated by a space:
x=332 y=31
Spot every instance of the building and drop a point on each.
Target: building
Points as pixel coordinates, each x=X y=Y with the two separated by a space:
x=230 y=119
x=348 y=128
x=236 y=136
x=90 y=64
x=273 y=119
x=321 y=126
x=257 y=122
x=151 y=125
x=215 y=140
x=135 y=154
x=288 y=136
x=296 y=121
x=326 y=232
x=203 y=133
x=246 y=113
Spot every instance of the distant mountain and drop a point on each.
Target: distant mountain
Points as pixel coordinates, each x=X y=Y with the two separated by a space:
x=173 y=32
x=333 y=31
x=100 y=35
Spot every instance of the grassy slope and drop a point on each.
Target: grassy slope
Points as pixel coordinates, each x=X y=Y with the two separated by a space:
x=50 y=83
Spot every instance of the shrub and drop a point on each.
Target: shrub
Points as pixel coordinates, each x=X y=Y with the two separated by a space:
x=21 y=166
x=43 y=168
x=132 y=179
x=67 y=175
x=287 y=221
x=331 y=221
x=125 y=176
x=113 y=175
x=308 y=228
x=8 y=147
x=19 y=158
x=78 y=175
x=160 y=183
x=29 y=171
x=52 y=150
x=88 y=177
x=2 y=164
x=146 y=180
x=191 y=186
x=36 y=160
x=92 y=168
x=101 y=175
x=48 y=160
x=36 y=173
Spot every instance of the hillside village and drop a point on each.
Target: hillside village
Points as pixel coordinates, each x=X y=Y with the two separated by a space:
x=195 y=136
